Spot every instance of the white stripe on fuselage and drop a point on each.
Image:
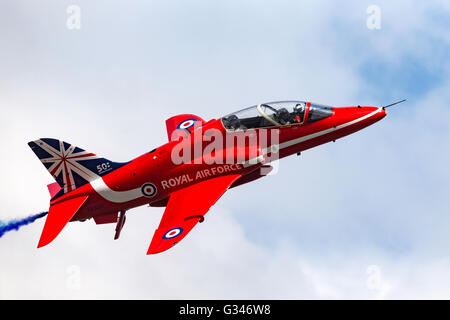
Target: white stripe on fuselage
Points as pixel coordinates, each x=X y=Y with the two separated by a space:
x=114 y=196
x=292 y=142
x=124 y=196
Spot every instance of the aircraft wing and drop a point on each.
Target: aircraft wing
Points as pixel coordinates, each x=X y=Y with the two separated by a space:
x=182 y=125
x=186 y=207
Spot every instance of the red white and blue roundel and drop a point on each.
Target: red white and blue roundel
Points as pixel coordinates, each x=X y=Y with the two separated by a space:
x=186 y=124
x=175 y=232
x=148 y=190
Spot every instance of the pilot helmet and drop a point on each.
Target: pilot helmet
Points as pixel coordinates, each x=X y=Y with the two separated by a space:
x=300 y=107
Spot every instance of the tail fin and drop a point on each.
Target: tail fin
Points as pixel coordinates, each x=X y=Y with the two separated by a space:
x=69 y=165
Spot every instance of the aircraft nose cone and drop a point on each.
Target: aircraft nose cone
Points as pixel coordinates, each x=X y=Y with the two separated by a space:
x=352 y=119
x=360 y=113
x=377 y=113
x=369 y=114
x=373 y=114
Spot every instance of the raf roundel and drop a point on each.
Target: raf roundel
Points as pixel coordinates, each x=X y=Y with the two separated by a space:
x=175 y=232
x=148 y=190
x=186 y=124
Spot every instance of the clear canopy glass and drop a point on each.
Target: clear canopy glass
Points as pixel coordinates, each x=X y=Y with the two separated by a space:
x=274 y=114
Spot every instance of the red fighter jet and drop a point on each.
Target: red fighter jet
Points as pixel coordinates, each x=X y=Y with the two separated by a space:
x=190 y=173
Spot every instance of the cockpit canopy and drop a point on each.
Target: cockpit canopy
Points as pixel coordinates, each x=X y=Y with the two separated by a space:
x=274 y=114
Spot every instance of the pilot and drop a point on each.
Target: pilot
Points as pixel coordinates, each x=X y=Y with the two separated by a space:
x=283 y=116
x=299 y=111
x=233 y=122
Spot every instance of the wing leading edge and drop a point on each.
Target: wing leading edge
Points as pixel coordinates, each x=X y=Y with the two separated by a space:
x=186 y=207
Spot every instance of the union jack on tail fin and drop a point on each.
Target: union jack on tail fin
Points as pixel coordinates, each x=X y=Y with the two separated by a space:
x=69 y=165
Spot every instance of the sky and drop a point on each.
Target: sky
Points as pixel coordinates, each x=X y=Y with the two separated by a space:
x=366 y=217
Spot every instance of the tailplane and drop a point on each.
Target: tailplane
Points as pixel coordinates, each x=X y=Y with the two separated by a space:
x=58 y=216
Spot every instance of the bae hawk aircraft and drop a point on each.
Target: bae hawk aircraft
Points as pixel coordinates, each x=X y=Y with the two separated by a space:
x=190 y=173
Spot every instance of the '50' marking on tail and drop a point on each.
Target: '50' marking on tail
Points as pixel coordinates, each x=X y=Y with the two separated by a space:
x=102 y=168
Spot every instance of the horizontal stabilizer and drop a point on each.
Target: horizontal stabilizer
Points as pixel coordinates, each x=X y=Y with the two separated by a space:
x=58 y=216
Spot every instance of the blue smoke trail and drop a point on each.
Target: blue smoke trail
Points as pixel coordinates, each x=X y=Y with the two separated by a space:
x=16 y=224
